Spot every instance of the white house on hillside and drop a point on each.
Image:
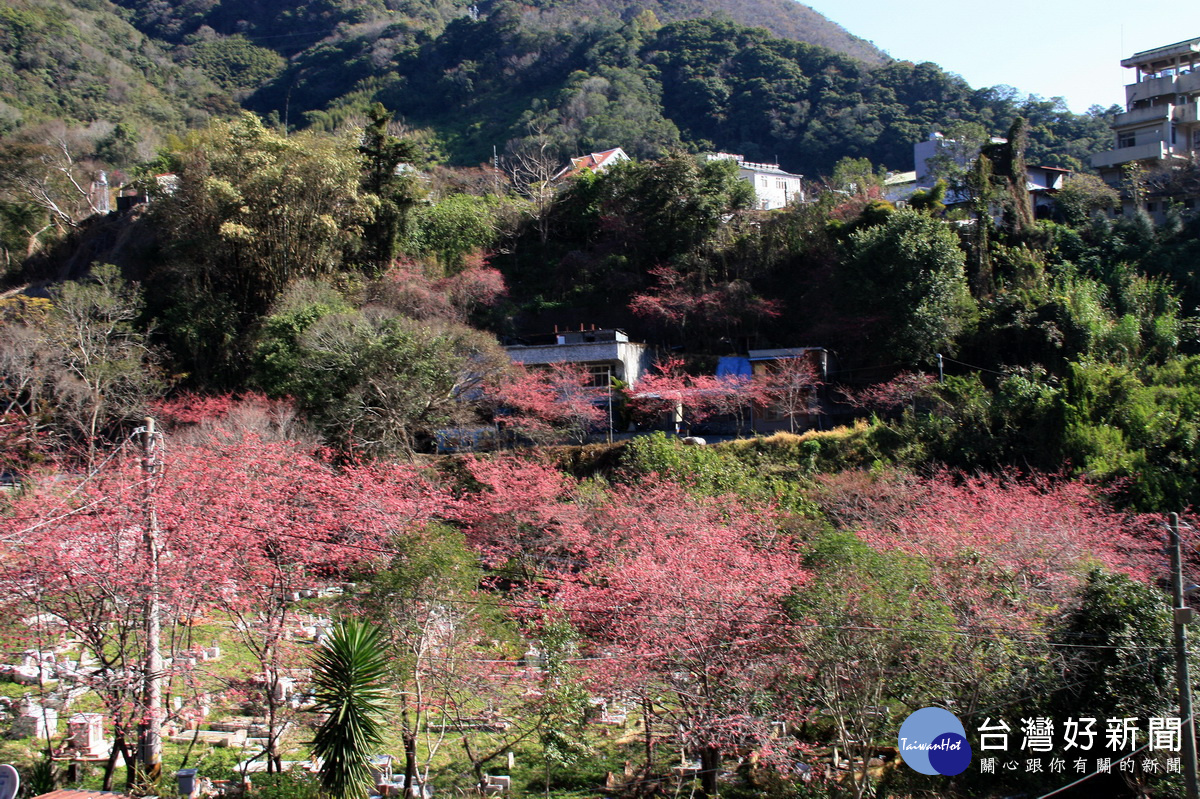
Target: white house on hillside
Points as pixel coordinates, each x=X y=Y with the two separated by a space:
x=773 y=187
x=604 y=353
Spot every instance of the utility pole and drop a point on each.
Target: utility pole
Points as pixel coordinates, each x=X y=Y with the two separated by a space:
x=610 y=407
x=1183 y=615
x=151 y=730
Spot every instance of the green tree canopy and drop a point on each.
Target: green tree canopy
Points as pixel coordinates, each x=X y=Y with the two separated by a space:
x=905 y=281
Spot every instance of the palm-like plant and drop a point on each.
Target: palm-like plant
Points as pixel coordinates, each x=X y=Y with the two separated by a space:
x=349 y=671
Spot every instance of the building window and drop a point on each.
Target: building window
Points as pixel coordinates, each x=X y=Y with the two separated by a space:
x=1151 y=207
x=1126 y=140
x=599 y=375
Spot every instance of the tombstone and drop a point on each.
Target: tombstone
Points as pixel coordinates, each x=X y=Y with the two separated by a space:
x=497 y=784
x=533 y=658
x=283 y=688
x=32 y=670
x=381 y=769
x=35 y=721
x=85 y=733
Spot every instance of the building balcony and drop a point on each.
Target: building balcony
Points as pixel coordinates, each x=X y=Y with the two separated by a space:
x=1147 y=89
x=1185 y=114
x=1154 y=151
x=1188 y=82
x=1140 y=116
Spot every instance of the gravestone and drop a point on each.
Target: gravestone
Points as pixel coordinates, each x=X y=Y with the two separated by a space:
x=85 y=733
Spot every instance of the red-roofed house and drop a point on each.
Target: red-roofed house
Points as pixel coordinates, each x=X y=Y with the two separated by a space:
x=597 y=162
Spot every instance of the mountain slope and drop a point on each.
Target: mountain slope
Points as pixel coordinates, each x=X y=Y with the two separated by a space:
x=786 y=19
x=491 y=75
x=82 y=62
x=291 y=27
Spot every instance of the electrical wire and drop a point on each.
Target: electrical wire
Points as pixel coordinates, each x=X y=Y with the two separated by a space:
x=1087 y=777
x=62 y=500
x=972 y=366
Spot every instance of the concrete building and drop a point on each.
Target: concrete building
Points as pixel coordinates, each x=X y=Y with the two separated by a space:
x=604 y=353
x=1160 y=128
x=1042 y=182
x=773 y=188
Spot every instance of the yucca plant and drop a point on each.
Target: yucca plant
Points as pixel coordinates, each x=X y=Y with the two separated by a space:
x=349 y=671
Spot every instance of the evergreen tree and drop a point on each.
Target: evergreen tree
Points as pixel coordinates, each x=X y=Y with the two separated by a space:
x=394 y=192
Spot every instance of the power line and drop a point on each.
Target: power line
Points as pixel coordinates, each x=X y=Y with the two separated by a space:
x=972 y=366
x=1087 y=777
x=62 y=500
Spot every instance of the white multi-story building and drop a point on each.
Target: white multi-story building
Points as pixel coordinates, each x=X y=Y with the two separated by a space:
x=773 y=188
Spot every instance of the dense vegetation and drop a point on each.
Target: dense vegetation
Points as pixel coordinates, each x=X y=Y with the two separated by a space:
x=308 y=265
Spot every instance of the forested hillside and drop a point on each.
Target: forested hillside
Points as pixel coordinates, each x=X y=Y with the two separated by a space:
x=291 y=27
x=83 y=64
x=307 y=265
x=484 y=77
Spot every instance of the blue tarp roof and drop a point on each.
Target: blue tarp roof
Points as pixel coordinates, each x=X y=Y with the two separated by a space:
x=734 y=365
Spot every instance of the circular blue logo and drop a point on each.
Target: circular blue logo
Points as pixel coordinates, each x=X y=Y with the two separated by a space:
x=933 y=741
